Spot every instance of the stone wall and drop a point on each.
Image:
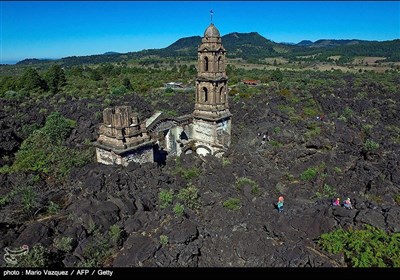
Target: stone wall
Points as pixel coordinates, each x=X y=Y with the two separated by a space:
x=121 y=128
x=141 y=155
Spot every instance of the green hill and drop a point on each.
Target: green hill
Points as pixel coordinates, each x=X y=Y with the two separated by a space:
x=248 y=46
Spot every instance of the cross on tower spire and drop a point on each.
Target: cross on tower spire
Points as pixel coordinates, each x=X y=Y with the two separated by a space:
x=211 y=14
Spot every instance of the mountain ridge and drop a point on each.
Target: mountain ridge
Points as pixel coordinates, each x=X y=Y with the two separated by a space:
x=250 y=46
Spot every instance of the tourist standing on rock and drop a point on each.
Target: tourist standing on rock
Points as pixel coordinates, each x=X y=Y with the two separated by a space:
x=337 y=202
x=347 y=204
x=279 y=205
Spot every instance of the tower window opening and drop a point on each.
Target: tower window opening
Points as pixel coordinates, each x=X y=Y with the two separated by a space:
x=205 y=92
x=206 y=64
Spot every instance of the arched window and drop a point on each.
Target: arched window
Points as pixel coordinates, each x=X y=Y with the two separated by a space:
x=206 y=64
x=205 y=93
x=219 y=64
x=222 y=94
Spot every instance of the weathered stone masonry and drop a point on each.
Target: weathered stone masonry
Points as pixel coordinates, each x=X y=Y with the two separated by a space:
x=122 y=138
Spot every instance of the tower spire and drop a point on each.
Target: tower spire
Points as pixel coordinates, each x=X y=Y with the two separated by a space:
x=211 y=14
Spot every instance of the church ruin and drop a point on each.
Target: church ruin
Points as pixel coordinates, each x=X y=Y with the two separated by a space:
x=207 y=131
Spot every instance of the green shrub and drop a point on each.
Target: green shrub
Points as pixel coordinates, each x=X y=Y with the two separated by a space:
x=370 y=145
x=53 y=208
x=165 y=197
x=243 y=181
x=164 y=239
x=178 y=209
x=369 y=247
x=10 y=196
x=97 y=251
x=367 y=128
x=91 y=227
x=29 y=199
x=311 y=111
x=337 y=169
x=275 y=143
x=28 y=129
x=347 y=113
x=255 y=190
x=397 y=199
x=115 y=234
x=190 y=173
x=43 y=151
x=312 y=131
x=63 y=243
x=232 y=204
x=225 y=162
x=327 y=192
x=309 y=174
x=57 y=127
x=36 y=257
x=169 y=90
x=171 y=113
x=190 y=197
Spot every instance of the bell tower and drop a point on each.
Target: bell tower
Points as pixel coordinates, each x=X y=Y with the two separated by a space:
x=211 y=116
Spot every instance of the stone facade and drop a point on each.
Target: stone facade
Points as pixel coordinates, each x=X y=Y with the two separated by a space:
x=122 y=138
x=207 y=131
x=211 y=116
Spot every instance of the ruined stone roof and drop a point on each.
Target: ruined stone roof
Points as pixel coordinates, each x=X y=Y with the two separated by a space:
x=212 y=31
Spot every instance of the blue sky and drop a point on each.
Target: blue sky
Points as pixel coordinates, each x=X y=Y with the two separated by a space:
x=57 y=29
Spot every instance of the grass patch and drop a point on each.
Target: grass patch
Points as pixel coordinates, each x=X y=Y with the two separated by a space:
x=232 y=204
x=309 y=174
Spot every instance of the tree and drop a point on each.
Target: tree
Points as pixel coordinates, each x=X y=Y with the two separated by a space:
x=277 y=75
x=55 y=78
x=76 y=71
x=7 y=83
x=94 y=74
x=127 y=83
x=31 y=80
